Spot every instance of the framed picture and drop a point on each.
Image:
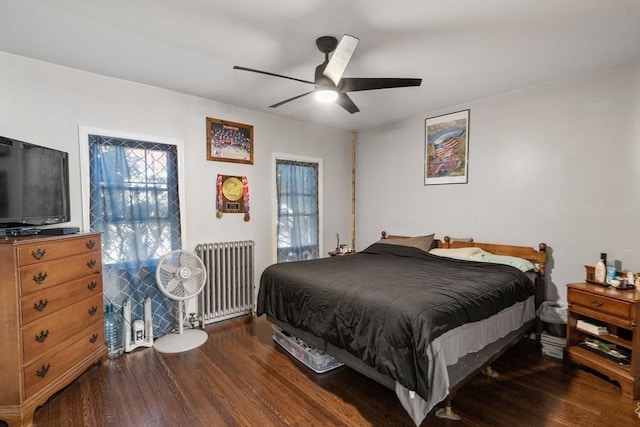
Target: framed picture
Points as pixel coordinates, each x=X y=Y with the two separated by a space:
x=447 y=149
x=229 y=141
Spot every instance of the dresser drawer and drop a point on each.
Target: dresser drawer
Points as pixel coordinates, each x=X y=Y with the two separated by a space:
x=48 y=367
x=52 y=299
x=600 y=304
x=49 y=251
x=46 y=274
x=45 y=333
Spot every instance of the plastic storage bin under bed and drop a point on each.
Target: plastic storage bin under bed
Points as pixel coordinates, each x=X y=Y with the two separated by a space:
x=313 y=358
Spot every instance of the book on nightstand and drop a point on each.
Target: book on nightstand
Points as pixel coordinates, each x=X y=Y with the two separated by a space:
x=584 y=326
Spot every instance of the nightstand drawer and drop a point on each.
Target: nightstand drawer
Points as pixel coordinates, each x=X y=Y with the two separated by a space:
x=600 y=304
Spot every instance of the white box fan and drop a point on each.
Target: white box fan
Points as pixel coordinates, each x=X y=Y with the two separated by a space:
x=180 y=275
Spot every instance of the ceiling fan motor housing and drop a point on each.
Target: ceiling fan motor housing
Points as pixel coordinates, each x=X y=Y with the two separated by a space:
x=326 y=45
x=322 y=81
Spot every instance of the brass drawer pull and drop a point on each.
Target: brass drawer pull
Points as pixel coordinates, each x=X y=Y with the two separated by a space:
x=42 y=337
x=41 y=305
x=38 y=253
x=92 y=310
x=90 y=244
x=93 y=338
x=92 y=285
x=596 y=303
x=40 y=278
x=91 y=263
x=42 y=372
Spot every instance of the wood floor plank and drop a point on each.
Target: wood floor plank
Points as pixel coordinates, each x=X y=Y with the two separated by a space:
x=240 y=377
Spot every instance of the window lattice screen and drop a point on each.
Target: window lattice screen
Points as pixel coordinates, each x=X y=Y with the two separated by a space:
x=134 y=203
x=298 y=210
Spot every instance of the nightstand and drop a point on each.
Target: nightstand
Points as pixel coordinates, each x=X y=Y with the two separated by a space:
x=616 y=310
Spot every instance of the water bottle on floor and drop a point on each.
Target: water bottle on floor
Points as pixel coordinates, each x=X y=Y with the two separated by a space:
x=113 y=332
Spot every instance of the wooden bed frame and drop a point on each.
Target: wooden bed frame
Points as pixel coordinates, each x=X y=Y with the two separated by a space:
x=475 y=362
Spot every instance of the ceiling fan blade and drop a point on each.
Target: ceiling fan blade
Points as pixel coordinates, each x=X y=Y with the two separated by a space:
x=237 y=67
x=340 y=58
x=365 y=83
x=290 y=99
x=345 y=102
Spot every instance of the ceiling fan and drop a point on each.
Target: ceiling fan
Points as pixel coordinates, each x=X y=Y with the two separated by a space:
x=329 y=83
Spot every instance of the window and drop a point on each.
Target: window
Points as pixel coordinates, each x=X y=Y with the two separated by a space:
x=298 y=210
x=134 y=202
x=134 y=198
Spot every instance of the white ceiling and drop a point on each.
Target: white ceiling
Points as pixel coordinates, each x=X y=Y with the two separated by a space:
x=462 y=49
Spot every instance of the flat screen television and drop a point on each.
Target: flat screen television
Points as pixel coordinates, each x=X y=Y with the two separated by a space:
x=34 y=186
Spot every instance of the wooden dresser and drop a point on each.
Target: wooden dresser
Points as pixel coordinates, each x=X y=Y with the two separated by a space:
x=51 y=321
x=619 y=312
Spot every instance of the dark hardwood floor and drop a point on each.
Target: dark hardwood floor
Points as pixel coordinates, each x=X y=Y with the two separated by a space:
x=240 y=377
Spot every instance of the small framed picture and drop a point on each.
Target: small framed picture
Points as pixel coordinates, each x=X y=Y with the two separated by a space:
x=447 y=149
x=229 y=141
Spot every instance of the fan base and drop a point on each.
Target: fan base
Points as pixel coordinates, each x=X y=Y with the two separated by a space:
x=177 y=343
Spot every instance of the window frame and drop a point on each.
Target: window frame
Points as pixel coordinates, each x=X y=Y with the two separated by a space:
x=274 y=199
x=83 y=138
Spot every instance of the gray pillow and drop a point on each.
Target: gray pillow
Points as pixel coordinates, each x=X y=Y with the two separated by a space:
x=420 y=242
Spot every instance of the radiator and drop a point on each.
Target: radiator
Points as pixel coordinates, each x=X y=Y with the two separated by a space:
x=229 y=291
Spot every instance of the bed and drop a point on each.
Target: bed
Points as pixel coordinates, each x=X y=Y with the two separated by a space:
x=419 y=315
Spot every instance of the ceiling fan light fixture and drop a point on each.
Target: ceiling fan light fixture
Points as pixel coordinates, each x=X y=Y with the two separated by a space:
x=326 y=95
x=329 y=84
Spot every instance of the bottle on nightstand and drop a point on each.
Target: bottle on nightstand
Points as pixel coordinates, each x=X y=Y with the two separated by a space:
x=600 y=273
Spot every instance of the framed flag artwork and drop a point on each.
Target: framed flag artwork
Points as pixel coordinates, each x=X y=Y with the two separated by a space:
x=447 y=149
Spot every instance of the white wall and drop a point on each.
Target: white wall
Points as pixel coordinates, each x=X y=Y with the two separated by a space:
x=557 y=163
x=44 y=104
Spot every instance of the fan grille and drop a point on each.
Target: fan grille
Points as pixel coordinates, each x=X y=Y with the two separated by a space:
x=180 y=275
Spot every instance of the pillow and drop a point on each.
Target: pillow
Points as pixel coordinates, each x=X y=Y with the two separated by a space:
x=477 y=254
x=420 y=242
x=469 y=254
x=519 y=263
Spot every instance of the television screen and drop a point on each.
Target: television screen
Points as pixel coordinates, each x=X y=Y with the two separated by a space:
x=34 y=184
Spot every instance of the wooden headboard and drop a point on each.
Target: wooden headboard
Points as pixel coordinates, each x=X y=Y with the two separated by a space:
x=538 y=257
